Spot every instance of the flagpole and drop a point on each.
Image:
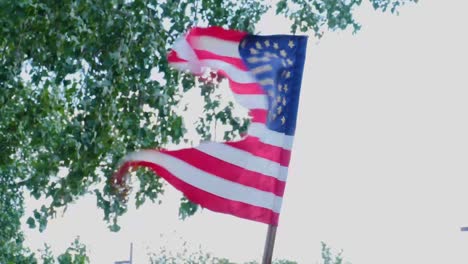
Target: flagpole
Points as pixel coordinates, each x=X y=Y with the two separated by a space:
x=269 y=244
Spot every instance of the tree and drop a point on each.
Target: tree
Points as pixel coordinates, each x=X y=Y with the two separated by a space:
x=11 y=210
x=328 y=257
x=75 y=254
x=184 y=255
x=76 y=92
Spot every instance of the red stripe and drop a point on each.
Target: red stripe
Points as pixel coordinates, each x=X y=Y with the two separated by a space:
x=229 y=171
x=173 y=57
x=259 y=115
x=246 y=88
x=256 y=147
x=211 y=201
x=206 y=55
x=216 y=32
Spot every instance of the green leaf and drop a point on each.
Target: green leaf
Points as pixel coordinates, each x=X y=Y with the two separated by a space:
x=31 y=222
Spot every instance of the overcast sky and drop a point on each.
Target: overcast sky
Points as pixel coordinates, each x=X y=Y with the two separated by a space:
x=379 y=166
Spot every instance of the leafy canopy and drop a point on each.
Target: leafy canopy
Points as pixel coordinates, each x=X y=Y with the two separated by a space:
x=77 y=92
x=186 y=255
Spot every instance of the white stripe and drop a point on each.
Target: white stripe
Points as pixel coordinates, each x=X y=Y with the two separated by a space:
x=185 y=66
x=244 y=159
x=232 y=72
x=271 y=137
x=217 y=46
x=185 y=52
x=252 y=101
x=183 y=49
x=209 y=182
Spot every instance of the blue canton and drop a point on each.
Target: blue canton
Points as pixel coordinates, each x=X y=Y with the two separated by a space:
x=277 y=63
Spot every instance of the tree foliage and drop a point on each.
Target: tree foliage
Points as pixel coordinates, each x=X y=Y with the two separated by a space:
x=76 y=253
x=329 y=257
x=184 y=255
x=77 y=92
x=11 y=210
x=82 y=108
x=12 y=253
x=322 y=15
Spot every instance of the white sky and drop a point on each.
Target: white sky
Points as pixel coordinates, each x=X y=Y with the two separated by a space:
x=379 y=162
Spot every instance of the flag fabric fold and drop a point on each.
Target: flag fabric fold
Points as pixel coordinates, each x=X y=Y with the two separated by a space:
x=244 y=178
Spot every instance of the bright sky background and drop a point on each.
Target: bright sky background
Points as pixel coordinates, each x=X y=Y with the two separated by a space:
x=379 y=166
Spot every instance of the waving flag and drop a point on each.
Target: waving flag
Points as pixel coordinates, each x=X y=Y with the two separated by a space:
x=244 y=178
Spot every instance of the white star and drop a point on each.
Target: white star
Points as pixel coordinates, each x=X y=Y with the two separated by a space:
x=253 y=51
x=258 y=45
x=243 y=43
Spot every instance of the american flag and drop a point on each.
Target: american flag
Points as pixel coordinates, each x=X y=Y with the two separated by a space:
x=245 y=178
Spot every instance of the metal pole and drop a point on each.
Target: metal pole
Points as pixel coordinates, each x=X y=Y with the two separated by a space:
x=269 y=244
x=130 y=261
x=131 y=253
